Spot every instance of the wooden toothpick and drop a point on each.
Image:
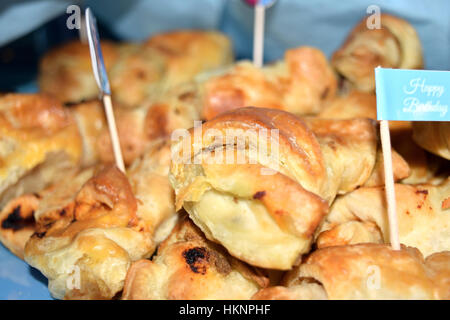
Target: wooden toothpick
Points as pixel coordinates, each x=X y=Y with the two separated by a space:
x=98 y=67
x=389 y=184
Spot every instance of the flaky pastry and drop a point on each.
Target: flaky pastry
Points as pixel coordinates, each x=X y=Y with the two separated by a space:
x=394 y=45
x=266 y=209
x=189 y=267
x=86 y=247
x=361 y=216
x=302 y=83
x=65 y=72
x=368 y=271
x=39 y=141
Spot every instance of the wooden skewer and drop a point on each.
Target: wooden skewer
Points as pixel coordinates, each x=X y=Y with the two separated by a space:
x=389 y=184
x=113 y=132
x=258 y=35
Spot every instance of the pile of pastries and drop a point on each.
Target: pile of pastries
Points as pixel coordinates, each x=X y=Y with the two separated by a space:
x=313 y=226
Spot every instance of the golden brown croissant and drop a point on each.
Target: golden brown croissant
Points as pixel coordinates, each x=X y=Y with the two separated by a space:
x=421 y=167
x=25 y=214
x=65 y=72
x=269 y=220
x=369 y=271
x=434 y=137
x=189 y=267
x=302 y=84
x=39 y=140
x=361 y=216
x=394 y=45
x=166 y=60
x=86 y=247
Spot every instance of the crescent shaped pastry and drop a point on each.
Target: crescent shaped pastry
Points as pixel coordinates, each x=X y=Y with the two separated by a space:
x=86 y=247
x=65 y=72
x=166 y=60
x=265 y=210
x=302 y=83
x=394 y=45
x=39 y=141
x=154 y=120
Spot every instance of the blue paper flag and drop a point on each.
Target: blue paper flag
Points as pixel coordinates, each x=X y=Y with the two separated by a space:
x=412 y=95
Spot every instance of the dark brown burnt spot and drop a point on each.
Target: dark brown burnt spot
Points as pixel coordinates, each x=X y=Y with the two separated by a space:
x=40 y=235
x=259 y=194
x=197 y=258
x=324 y=93
x=16 y=222
x=186 y=96
x=425 y=192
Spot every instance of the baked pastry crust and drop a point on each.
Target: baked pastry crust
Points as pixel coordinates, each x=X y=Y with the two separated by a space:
x=361 y=216
x=155 y=197
x=269 y=220
x=86 y=247
x=439 y=265
x=434 y=137
x=302 y=83
x=39 y=141
x=189 y=267
x=65 y=72
x=164 y=61
x=395 y=45
x=304 y=291
x=368 y=271
x=140 y=128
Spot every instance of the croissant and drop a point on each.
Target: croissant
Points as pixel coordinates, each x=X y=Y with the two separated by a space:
x=369 y=271
x=420 y=167
x=434 y=137
x=39 y=141
x=302 y=84
x=395 y=45
x=265 y=210
x=166 y=60
x=65 y=72
x=86 y=246
x=156 y=119
x=189 y=267
x=361 y=216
